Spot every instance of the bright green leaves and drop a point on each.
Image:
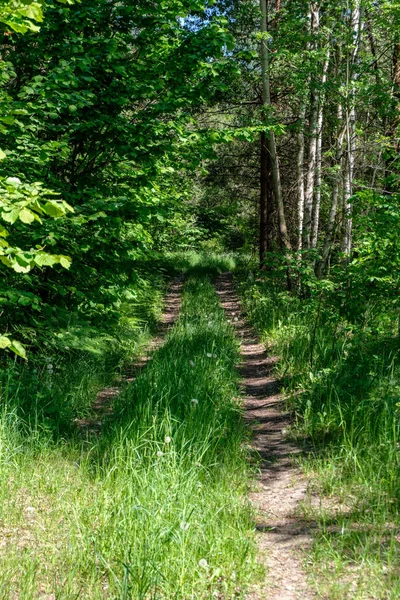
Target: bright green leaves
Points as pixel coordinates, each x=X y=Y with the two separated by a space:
x=22 y=261
x=56 y=209
x=20 y=15
x=23 y=15
x=64 y=261
x=17 y=348
x=7 y=343
x=26 y=216
x=28 y=202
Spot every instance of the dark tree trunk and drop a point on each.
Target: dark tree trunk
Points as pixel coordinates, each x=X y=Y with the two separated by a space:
x=266 y=207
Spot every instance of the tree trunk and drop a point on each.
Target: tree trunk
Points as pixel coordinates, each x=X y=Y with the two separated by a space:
x=322 y=265
x=300 y=179
x=312 y=152
x=348 y=182
x=310 y=180
x=318 y=166
x=271 y=143
x=356 y=26
x=265 y=200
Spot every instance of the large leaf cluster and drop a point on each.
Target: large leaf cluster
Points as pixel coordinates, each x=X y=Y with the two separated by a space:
x=98 y=106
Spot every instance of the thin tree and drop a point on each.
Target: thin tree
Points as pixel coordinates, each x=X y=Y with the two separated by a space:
x=270 y=135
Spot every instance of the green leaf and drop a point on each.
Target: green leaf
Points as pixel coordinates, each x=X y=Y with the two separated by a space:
x=6 y=261
x=53 y=209
x=45 y=260
x=65 y=262
x=34 y=11
x=5 y=342
x=18 y=27
x=21 y=265
x=18 y=349
x=24 y=301
x=3 y=155
x=14 y=181
x=26 y=216
x=10 y=216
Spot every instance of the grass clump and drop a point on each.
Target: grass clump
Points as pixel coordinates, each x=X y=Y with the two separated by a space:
x=153 y=508
x=341 y=374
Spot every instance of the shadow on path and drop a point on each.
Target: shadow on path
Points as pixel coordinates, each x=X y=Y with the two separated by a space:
x=281 y=486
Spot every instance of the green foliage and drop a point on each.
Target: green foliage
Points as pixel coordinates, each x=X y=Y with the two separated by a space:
x=158 y=498
x=340 y=368
x=374 y=271
x=106 y=119
x=24 y=15
x=27 y=203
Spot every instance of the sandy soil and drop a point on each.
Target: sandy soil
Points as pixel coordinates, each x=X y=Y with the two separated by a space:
x=281 y=487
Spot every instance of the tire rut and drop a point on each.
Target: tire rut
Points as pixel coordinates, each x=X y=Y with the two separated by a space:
x=102 y=405
x=281 y=487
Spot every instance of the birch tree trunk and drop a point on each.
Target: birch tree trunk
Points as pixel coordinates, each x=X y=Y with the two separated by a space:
x=318 y=166
x=312 y=152
x=322 y=264
x=265 y=200
x=300 y=179
x=356 y=26
x=348 y=182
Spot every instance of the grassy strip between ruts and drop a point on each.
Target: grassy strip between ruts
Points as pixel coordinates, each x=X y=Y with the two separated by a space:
x=154 y=508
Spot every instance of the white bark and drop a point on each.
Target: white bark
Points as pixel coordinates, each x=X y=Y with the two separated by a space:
x=348 y=182
x=300 y=178
x=356 y=25
x=312 y=152
x=322 y=265
x=318 y=167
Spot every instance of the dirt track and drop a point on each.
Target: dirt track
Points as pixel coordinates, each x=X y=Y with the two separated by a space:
x=282 y=536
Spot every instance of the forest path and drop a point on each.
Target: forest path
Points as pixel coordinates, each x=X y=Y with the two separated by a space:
x=282 y=535
x=102 y=405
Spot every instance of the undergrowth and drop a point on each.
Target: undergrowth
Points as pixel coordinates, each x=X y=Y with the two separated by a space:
x=342 y=380
x=78 y=355
x=153 y=508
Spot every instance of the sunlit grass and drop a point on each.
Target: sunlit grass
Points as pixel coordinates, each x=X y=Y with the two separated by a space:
x=154 y=508
x=343 y=387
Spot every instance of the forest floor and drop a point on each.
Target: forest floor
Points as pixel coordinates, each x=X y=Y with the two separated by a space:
x=283 y=536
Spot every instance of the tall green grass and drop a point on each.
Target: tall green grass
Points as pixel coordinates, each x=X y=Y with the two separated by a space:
x=342 y=380
x=156 y=506
x=75 y=360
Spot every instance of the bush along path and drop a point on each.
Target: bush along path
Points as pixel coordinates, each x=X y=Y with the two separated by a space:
x=155 y=505
x=281 y=487
x=102 y=405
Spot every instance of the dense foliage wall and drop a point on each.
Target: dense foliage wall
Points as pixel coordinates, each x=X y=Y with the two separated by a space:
x=98 y=132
